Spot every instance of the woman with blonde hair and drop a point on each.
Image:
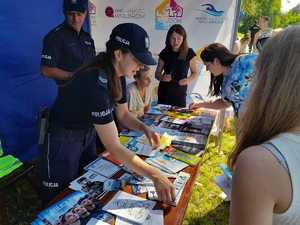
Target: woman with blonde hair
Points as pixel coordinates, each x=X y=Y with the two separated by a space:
x=266 y=159
x=139 y=92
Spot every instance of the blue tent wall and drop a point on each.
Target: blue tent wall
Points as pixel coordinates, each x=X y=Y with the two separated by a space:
x=23 y=91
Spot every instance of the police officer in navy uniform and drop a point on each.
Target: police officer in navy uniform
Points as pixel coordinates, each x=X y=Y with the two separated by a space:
x=68 y=46
x=96 y=91
x=67 y=147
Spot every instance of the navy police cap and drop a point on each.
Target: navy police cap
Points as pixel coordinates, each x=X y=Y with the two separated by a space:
x=135 y=38
x=75 y=5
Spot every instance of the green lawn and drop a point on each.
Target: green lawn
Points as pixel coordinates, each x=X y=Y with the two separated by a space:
x=21 y=203
x=206 y=206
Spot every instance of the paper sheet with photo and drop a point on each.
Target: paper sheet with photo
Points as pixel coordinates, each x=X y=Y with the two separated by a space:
x=156 y=217
x=140 y=186
x=129 y=207
x=53 y=213
x=138 y=147
x=202 y=120
x=190 y=148
x=154 y=111
x=182 y=136
x=162 y=130
x=225 y=184
x=103 y=167
x=89 y=177
x=165 y=140
x=179 y=184
x=94 y=221
x=99 y=218
x=167 y=163
x=126 y=177
x=190 y=138
x=175 y=121
x=131 y=133
x=164 y=173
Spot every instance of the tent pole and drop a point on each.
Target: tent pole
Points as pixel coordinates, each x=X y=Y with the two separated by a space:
x=236 y=23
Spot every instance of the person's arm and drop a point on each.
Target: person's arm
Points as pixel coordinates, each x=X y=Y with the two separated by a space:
x=237 y=47
x=131 y=122
x=217 y=104
x=109 y=136
x=55 y=73
x=193 y=75
x=51 y=55
x=194 y=72
x=189 y=79
x=159 y=72
x=258 y=183
x=255 y=40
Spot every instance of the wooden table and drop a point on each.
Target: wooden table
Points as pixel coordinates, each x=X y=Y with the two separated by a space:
x=172 y=215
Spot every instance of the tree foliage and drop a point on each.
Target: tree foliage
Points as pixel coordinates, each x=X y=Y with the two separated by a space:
x=253 y=9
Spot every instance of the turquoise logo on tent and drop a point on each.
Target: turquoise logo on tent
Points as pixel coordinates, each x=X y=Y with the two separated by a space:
x=211 y=10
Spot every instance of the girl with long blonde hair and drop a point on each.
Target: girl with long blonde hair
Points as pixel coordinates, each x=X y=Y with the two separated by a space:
x=266 y=159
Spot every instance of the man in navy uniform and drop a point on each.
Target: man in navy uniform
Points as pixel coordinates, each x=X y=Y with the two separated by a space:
x=65 y=49
x=68 y=46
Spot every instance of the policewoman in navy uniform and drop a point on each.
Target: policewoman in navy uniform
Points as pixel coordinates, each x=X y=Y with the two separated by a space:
x=67 y=46
x=96 y=91
x=174 y=62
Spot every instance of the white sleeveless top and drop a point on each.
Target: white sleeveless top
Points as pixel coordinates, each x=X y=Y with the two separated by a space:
x=288 y=144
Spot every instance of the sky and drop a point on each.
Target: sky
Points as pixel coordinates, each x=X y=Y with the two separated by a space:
x=286 y=5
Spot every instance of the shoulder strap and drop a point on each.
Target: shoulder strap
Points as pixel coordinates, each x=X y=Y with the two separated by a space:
x=277 y=154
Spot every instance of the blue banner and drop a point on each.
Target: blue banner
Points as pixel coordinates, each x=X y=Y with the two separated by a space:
x=23 y=90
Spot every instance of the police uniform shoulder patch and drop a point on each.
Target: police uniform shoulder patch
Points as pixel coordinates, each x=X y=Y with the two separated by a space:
x=102 y=79
x=88 y=43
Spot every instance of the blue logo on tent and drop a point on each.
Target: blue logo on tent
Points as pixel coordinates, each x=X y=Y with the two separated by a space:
x=211 y=10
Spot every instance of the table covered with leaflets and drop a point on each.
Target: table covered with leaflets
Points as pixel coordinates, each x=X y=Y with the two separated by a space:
x=110 y=193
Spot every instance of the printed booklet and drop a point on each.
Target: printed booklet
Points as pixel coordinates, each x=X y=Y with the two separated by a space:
x=139 y=148
x=166 y=163
x=182 y=136
x=75 y=208
x=183 y=156
x=103 y=167
x=179 y=183
x=129 y=207
x=156 y=217
x=88 y=182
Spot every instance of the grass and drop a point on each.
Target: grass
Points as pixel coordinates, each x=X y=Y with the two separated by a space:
x=20 y=204
x=206 y=206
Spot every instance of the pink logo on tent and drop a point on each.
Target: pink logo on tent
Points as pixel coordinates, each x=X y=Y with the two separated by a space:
x=109 y=11
x=169 y=8
x=176 y=10
x=167 y=13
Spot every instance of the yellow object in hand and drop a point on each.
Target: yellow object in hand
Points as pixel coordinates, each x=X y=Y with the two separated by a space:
x=165 y=141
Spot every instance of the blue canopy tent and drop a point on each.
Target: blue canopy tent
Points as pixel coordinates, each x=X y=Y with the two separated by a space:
x=23 y=91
